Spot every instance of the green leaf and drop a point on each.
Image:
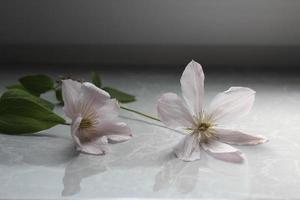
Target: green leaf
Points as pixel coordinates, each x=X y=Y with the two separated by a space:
x=58 y=94
x=46 y=103
x=37 y=84
x=119 y=95
x=21 y=87
x=96 y=80
x=21 y=112
x=42 y=101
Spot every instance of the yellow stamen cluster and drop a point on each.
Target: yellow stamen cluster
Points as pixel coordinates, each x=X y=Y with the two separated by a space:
x=204 y=130
x=85 y=123
x=202 y=127
x=88 y=129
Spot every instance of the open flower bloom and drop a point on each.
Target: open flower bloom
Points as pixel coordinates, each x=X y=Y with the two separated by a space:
x=93 y=116
x=205 y=126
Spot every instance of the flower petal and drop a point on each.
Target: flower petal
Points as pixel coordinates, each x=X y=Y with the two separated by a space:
x=188 y=149
x=192 y=86
x=70 y=93
x=118 y=138
x=238 y=137
x=75 y=130
x=92 y=98
x=173 y=113
x=113 y=128
x=233 y=103
x=223 y=151
x=93 y=148
x=109 y=111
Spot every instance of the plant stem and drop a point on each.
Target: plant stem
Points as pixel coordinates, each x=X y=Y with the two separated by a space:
x=66 y=123
x=140 y=113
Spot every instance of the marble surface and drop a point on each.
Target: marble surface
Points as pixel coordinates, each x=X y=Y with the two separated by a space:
x=46 y=166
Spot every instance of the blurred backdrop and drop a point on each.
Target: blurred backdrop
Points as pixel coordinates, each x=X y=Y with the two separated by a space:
x=150 y=33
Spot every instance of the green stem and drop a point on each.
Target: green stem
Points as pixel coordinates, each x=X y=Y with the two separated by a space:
x=56 y=87
x=140 y=113
x=66 y=123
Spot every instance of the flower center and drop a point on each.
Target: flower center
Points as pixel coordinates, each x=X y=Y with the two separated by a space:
x=203 y=127
x=203 y=132
x=85 y=123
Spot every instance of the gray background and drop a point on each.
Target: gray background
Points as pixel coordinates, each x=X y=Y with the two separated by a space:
x=150 y=33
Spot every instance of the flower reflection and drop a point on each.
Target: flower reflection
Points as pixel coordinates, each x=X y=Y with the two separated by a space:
x=79 y=168
x=181 y=174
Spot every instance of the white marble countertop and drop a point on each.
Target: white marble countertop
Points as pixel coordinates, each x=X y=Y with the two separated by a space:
x=46 y=166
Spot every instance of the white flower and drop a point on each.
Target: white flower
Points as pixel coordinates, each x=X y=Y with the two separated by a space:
x=93 y=116
x=204 y=125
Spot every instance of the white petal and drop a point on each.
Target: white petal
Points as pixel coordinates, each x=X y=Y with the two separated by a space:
x=238 y=137
x=173 y=113
x=223 y=151
x=93 y=148
x=70 y=94
x=75 y=130
x=188 y=149
x=192 y=86
x=109 y=111
x=233 y=103
x=118 y=138
x=92 y=98
x=103 y=140
x=113 y=128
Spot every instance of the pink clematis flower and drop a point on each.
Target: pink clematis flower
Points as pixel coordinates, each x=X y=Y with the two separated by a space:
x=204 y=126
x=93 y=116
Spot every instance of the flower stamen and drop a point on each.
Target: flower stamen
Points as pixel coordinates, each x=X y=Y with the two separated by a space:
x=202 y=127
x=204 y=132
x=85 y=123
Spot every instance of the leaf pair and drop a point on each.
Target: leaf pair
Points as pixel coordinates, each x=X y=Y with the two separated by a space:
x=114 y=93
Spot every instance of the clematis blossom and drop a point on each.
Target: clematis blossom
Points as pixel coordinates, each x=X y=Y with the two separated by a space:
x=205 y=127
x=93 y=114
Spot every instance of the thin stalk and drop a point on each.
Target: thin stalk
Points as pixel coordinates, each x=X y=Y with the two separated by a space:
x=66 y=123
x=140 y=113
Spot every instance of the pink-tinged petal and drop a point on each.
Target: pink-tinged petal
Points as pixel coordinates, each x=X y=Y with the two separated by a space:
x=92 y=98
x=93 y=148
x=188 y=149
x=91 y=145
x=106 y=128
x=75 y=130
x=173 y=113
x=109 y=111
x=238 y=137
x=192 y=86
x=233 y=103
x=118 y=138
x=70 y=94
x=103 y=140
x=223 y=151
